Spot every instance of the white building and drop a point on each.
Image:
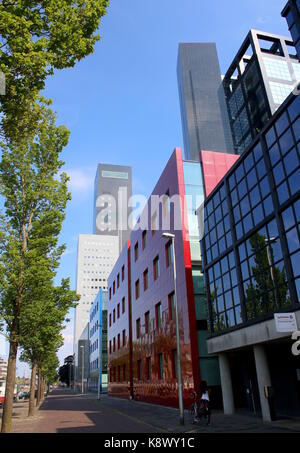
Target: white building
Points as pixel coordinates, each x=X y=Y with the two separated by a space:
x=3 y=369
x=96 y=257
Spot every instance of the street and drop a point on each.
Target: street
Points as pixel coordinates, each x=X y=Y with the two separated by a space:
x=66 y=412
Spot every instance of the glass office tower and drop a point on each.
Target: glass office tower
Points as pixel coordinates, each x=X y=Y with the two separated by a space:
x=292 y=14
x=262 y=75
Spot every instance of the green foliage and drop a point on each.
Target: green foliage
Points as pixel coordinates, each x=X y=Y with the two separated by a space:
x=37 y=37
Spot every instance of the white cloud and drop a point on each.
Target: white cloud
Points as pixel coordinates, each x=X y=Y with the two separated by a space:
x=81 y=180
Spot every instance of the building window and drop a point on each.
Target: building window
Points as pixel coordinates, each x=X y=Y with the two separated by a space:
x=158 y=315
x=174 y=363
x=147 y=322
x=118 y=311
x=138 y=328
x=156 y=269
x=110 y=320
x=118 y=280
x=119 y=341
x=149 y=368
x=119 y=373
x=136 y=251
x=171 y=299
x=145 y=275
x=144 y=239
x=139 y=370
x=124 y=337
x=169 y=253
x=123 y=305
x=160 y=366
x=109 y=293
x=124 y=373
x=137 y=289
x=114 y=287
x=123 y=273
x=110 y=346
x=114 y=344
x=114 y=316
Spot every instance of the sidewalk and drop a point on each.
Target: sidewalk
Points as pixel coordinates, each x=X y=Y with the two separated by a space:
x=20 y=420
x=167 y=419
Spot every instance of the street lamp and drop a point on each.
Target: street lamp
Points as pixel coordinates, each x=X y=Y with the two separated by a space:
x=179 y=377
x=82 y=369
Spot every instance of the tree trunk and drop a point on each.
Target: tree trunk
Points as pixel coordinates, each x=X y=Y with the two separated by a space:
x=10 y=387
x=38 y=398
x=42 y=390
x=31 y=410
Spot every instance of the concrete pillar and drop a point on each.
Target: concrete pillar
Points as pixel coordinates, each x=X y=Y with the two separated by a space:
x=226 y=384
x=263 y=378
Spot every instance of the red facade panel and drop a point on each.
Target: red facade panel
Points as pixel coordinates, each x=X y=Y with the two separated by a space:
x=214 y=167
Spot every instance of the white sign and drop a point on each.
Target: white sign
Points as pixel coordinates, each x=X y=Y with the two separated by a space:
x=285 y=322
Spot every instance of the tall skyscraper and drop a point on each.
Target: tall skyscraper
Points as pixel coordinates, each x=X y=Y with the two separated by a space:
x=262 y=75
x=96 y=258
x=205 y=122
x=292 y=14
x=113 y=189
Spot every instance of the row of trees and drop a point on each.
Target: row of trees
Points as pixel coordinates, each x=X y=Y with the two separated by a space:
x=36 y=37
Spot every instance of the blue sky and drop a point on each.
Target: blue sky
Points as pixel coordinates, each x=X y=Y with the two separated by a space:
x=121 y=103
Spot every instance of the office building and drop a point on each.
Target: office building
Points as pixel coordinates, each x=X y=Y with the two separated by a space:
x=96 y=258
x=112 y=190
x=82 y=370
x=251 y=261
x=98 y=343
x=262 y=75
x=205 y=123
x=141 y=326
x=292 y=14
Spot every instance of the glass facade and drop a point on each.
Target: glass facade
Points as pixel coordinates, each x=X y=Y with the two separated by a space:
x=251 y=244
x=292 y=14
x=262 y=76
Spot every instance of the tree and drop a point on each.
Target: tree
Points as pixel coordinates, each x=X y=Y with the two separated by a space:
x=42 y=322
x=37 y=37
x=35 y=202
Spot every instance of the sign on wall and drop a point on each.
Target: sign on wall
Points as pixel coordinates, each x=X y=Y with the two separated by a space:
x=285 y=322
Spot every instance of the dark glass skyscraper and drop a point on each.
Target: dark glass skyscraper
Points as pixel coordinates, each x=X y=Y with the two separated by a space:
x=262 y=75
x=292 y=14
x=205 y=122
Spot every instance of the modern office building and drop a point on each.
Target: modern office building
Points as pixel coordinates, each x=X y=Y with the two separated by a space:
x=251 y=260
x=141 y=326
x=82 y=353
x=112 y=190
x=3 y=369
x=96 y=258
x=292 y=14
x=262 y=75
x=205 y=122
x=98 y=343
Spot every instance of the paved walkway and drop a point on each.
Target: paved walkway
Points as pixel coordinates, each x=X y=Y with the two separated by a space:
x=66 y=412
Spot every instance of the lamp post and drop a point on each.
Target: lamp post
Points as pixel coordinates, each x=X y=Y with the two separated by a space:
x=82 y=369
x=179 y=377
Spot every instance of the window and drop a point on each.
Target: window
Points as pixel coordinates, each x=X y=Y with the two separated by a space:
x=137 y=289
x=138 y=328
x=110 y=346
x=158 y=315
x=118 y=311
x=114 y=343
x=139 y=370
x=147 y=322
x=114 y=287
x=118 y=280
x=160 y=366
x=109 y=293
x=144 y=239
x=123 y=305
x=119 y=341
x=149 y=368
x=136 y=251
x=123 y=273
x=171 y=299
x=119 y=373
x=124 y=373
x=169 y=253
x=156 y=269
x=145 y=280
x=110 y=320
x=114 y=316
x=124 y=338
x=174 y=363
